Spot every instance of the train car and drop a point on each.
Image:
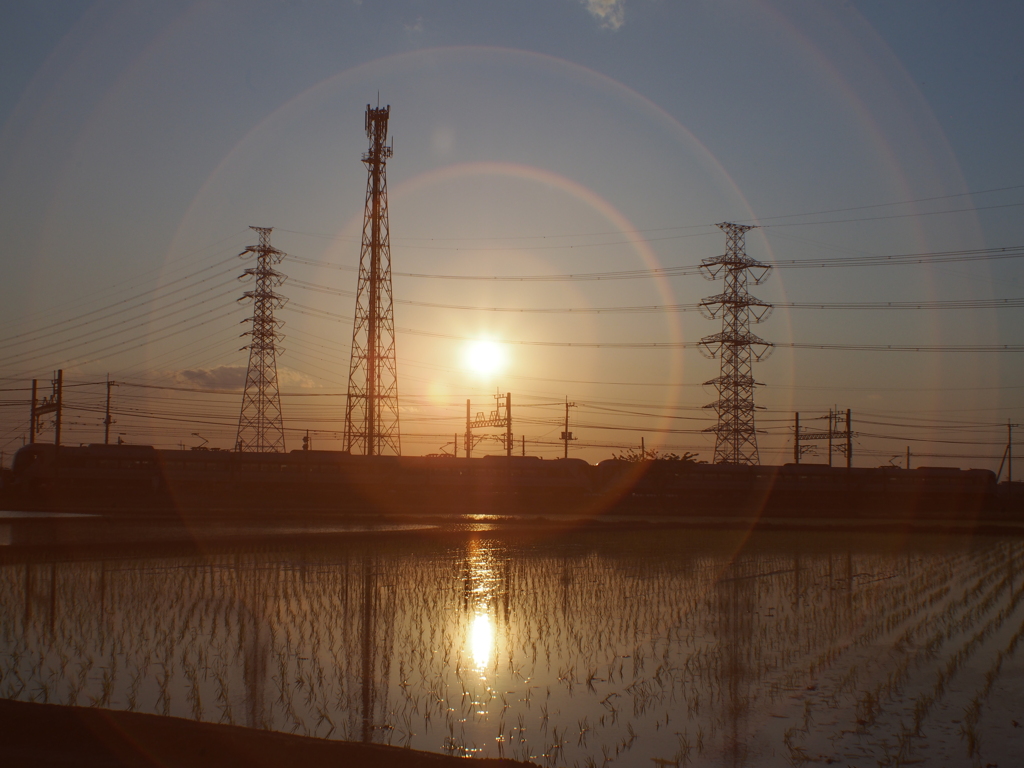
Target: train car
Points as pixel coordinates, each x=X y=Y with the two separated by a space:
x=44 y=477
x=145 y=479
x=798 y=490
x=140 y=478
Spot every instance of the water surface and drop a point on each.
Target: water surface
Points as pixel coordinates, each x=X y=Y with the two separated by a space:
x=589 y=648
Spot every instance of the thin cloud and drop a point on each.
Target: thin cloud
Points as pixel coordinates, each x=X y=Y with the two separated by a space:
x=611 y=13
x=287 y=377
x=221 y=377
x=233 y=377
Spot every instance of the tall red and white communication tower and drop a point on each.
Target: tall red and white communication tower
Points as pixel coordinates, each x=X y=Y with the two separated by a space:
x=371 y=414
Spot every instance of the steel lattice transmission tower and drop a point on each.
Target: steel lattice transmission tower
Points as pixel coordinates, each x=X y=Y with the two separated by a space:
x=735 y=345
x=371 y=414
x=260 y=425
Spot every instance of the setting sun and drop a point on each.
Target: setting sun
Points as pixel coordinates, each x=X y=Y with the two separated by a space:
x=484 y=357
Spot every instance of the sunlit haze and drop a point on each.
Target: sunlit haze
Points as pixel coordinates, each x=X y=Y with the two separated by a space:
x=558 y=173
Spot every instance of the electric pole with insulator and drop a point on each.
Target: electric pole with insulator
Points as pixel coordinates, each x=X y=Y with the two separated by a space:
x=260 y=423
x=566 y=434
x=371 y=413
x=107 y=420
x=735 y=345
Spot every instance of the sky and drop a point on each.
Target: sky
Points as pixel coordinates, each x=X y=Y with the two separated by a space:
x=139 y=141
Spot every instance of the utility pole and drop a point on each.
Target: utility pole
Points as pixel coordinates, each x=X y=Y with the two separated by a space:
x=32 y=417
x=831 y=427
x=469 y=432
x=796 y=438
x=735 y=345
x=508 y=424
x=567 y=435
x=371 y=413
x=60 y=409
x=260 y=422
x=107 y=421
x=524 y=446
x=908 y=457
x=1009 y=451
x=849 y=442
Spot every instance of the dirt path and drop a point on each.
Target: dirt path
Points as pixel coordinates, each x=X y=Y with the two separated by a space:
x=48 y=736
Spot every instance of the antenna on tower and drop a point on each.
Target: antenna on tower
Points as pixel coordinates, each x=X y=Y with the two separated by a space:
x=260 y=425
x=371 y=413
x=738 y=348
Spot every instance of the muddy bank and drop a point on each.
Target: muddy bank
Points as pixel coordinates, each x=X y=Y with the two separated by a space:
x=47 y=735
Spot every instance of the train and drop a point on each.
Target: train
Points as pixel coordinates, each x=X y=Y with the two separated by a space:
x=142 y=479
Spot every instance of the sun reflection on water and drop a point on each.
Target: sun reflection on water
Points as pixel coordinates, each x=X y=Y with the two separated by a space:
x=539 y=651
x=480 y=592
x=481 y=640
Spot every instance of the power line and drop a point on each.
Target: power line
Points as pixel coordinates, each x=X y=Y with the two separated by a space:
x=906 y=259
x=1011 y=303
x=163 y=270
x=898 y=215
x=77 y=323
x=686 y=226
x=179 y=328
x=698 y=344
x=579 y=246
x=903 y=259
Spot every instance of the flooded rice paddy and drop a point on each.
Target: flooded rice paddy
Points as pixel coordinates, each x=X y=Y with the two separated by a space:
x=599 y=648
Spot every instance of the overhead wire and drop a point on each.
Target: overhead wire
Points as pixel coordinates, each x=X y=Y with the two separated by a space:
x=170 y=266
x=691 y=226
x=1010 y=303
x=142 y=299
x=905 y=259
x=937 y=257
x=129 y=323
x=84 y=358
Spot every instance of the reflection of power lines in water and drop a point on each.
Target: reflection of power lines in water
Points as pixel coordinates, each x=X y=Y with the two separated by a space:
x=374 y=639
x=234 y=617
x=376 y=622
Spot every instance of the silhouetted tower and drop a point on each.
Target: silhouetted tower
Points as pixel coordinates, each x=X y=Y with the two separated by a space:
x=735 y=345
x=371 y=414
x=260 y=425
